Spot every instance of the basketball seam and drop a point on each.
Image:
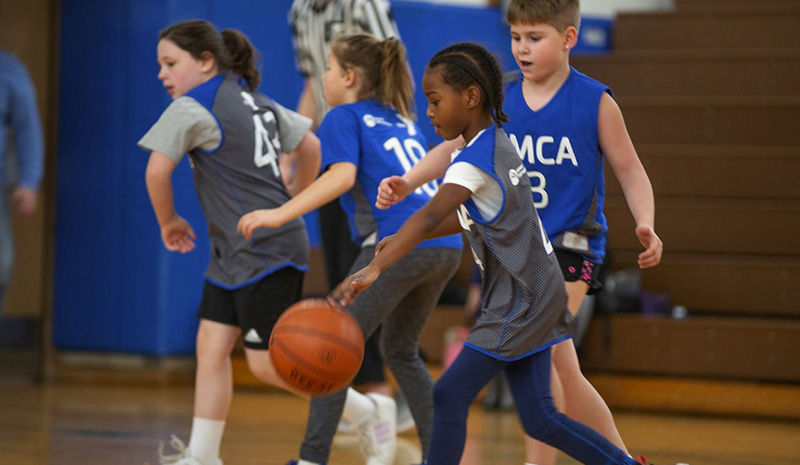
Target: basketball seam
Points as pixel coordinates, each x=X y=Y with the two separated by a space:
x=344 y=343
x=305 y=365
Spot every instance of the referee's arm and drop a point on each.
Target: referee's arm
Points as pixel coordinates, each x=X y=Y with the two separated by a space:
x=306 y=105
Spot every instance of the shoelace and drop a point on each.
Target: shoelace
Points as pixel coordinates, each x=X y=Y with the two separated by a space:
x=176 y=443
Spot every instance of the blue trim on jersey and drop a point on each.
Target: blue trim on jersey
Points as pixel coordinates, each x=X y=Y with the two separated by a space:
x=474 y=154
x=513 y=312
x=205 y=94
x=518 y=357
x=257 y=277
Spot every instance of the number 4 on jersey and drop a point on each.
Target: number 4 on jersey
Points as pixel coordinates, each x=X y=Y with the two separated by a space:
x=266 y=147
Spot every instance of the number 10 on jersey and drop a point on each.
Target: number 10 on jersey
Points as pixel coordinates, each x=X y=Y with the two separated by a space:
x=408 y=153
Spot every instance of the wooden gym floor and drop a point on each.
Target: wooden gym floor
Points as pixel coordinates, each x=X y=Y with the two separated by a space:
x=92 y=422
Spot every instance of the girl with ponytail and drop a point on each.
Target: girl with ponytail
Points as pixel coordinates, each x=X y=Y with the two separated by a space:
x=233 y=135
x=370 y=134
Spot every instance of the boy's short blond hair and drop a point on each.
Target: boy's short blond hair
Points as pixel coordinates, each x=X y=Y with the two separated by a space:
x=560 y=14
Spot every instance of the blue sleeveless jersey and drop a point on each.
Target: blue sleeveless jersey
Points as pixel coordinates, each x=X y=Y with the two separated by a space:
x=559 y=146
x=380 y=143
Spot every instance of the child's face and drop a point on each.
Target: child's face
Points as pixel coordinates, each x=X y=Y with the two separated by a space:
x=539 y=49
x=447 y=108
x=334 y=82
x=179 y=71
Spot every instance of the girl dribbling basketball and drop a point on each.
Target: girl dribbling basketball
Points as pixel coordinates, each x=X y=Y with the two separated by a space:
x=523 y=313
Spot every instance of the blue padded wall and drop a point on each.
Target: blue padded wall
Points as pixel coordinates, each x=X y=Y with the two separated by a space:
x=116 y=288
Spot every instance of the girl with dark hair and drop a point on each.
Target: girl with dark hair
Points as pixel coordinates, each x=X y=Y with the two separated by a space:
x=233 y=135
x=367 y=135
x=486 y=191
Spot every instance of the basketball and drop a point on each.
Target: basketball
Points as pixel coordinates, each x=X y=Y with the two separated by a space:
x=316 y=347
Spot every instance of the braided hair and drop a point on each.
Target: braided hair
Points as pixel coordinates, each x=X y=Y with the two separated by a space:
x=466 y=64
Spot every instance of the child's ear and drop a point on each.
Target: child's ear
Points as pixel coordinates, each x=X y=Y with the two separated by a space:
x=570 y=37
x=350 y=77
x=472 y=97
x=207 y=62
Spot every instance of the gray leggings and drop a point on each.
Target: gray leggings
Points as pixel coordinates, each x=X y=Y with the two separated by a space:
x=402 y=299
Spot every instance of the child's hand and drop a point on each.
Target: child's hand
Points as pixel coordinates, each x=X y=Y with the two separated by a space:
x=177 y=235
x=392 y=190
x=383 y=243
x=353 y=285
x=652 y=244
x=269 y=218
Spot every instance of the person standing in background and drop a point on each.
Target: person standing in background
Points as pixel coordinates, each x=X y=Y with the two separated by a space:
x=315 y=25
x=18 y=114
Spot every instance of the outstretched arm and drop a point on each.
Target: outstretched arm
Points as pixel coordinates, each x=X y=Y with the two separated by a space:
x=618 y=148
x=176 y=233
x=435 y=218
x=432 y=166
x=338 y=179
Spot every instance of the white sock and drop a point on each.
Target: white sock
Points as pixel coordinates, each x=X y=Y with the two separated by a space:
x=528 y=463
x=357 y=407
x=305 y=462
x=205 y=439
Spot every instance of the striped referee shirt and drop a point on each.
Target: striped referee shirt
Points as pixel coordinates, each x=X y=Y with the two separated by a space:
x=316 y=22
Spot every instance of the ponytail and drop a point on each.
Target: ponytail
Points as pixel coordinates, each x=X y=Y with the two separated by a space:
x=395 y=89
x=243 y=59
x=383 y=69
x=232 y=50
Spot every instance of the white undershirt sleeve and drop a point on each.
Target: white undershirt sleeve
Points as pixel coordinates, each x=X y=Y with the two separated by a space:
x=486 y=192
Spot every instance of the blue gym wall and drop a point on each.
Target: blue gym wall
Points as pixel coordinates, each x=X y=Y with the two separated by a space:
x=116 y=288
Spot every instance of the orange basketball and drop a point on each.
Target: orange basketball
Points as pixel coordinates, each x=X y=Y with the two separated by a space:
x=316 y=347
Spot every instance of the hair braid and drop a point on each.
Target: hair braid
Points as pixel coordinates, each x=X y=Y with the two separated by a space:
x=466 y=64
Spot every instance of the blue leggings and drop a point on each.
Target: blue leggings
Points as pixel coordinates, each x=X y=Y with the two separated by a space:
x=529 y=379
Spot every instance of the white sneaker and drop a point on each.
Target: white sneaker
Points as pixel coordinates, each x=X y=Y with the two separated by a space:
x=345 y=427
x=183 y=457
x=378 y=434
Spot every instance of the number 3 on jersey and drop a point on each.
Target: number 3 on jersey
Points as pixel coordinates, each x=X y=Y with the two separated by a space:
x=538 y=185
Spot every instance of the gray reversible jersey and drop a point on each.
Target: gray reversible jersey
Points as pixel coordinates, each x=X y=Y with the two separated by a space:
x=523 y=298
x=241 y=175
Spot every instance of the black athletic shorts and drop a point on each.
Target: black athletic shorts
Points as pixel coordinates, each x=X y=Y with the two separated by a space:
x=254 y=308
x=576 y=268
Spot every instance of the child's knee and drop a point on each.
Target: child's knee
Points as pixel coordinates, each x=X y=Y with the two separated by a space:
x=448 y=403
x=539 y=423
x=396 y=354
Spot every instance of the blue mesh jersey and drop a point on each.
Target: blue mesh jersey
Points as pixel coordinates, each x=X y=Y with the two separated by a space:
x=380 y=143
x=523 y=296
x=559 y=145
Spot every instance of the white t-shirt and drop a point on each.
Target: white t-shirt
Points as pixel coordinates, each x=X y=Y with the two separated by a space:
x=486 y=191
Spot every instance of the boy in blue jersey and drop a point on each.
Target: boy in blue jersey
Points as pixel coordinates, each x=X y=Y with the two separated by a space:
x=368 y=135
x=562 y=124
